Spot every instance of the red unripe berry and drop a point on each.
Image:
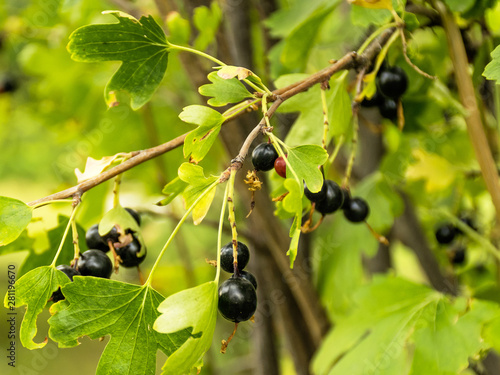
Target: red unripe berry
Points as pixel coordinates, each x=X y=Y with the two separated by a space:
x=280 y=166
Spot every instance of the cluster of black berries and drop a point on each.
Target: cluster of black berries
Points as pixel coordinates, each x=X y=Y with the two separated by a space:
x=328 y=200
x=446 y=233
x=392 y=83
x=95 y=262
x=237 y=296
x=128 y=254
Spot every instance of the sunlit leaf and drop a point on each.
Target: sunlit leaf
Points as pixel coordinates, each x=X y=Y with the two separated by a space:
x=140 y=45
x=34 y=290
x=14 y=217
x=94 y=167
x=207 y=21
x=197 y=184
x=305 y=161
x=492 y=70
x=224 y=91
x=373 y=4
x=194 y=309
x=199 y=141
x=172 y=190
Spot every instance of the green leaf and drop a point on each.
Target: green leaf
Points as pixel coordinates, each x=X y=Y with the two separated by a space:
x=224 y=91
x=293 y=203
x=117 y=216
x=34 y=290
x=140 y=45
x=300 y=42
x=308 y=128
x=305 y=161
x=365 y=17
x=14 y=217
x=23 y=242
x=409 y=327
x=459 y=5
x=180 y=30
x=194 y=309
x=199 y=141
x=198 y=183
x=97 y=307
x=492 y=70
x=207 y=21
x=171 y=190
x=491 y=333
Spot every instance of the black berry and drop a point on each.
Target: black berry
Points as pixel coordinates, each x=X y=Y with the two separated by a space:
x=94 y=240
x=227 y=259
x=112 y=236
x=95 y=263
x=346 y=196
x=389 y=109
x=316 y=197
x=237 y=299
x=333 y=200
x=445 y=233
x=375 y=101
x=280 y=166
x=392 y=82
x=263 y=157
x=357 y=210
x=457 y=256
x=68 y=271
x=248 y=276
x=134 y=214
x=128 y=254
x=8 y=84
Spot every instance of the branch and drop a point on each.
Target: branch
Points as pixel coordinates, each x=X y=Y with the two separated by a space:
x=350 y=61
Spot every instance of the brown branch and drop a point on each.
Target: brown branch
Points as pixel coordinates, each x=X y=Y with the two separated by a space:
x=349 y=61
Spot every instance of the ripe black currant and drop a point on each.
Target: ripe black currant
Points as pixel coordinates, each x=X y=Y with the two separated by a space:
x=316 y=197
x=112 y=236
x=94 y=240
x=227 y=260
x=333 y=200
x=445 y=233
x=95 y=263
x=389 y=109
x=392 y=82
x=135 y=215
x=68 y=271
x=280 y=166
x=248 y=276
x=263 y=157
x=346 y=197
x=375 y=101
x=357 y=210
x=457 y=256
x=237 y=299
x=128 y=254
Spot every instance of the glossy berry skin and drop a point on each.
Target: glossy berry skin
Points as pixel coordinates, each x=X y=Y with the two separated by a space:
x=68 y=271
x=134 y=214
x=280 y=167
x=316 y=197
x=346 y=196
x=94 y=240
x=333 y=200
x=389 y=109
x=95 y=263
x=112 y=236
x=237 y=299
x=457 y=255
x=248 y=276
x=392 y=82
x=445 y=234
x=263 y=157
x=128 y=254
x=357 y=210
x=227 y=260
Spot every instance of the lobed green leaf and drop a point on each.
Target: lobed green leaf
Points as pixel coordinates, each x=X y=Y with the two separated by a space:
x=224 y=91
x=98 y=307
x=140 y=45
x=196 y=309
x=492 y=70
